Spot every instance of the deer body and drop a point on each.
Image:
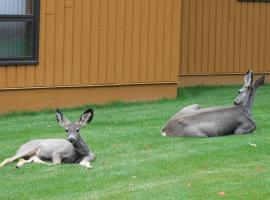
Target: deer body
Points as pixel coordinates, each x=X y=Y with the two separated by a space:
x=73 y=150
x=217 y=121
x=210 y=122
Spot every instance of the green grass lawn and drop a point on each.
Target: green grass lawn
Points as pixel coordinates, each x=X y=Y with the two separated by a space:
x=135 y=162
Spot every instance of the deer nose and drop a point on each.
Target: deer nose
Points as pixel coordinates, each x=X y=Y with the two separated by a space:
x=71 y=139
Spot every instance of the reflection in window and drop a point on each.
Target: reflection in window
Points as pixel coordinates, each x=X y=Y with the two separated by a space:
x=16 y=7
x=15 y=39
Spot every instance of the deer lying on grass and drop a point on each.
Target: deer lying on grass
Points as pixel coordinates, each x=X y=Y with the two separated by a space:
x=217 y=121
x=72 y=150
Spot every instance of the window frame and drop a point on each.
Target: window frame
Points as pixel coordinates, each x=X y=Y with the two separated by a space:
x=254 y=1
x=34 y=18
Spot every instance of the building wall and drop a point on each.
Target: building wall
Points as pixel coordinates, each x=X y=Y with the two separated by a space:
x=85 y=42
x=222 y=39
x=90 y=43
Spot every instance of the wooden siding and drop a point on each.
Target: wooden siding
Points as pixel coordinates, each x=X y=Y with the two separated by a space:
x=102 y=42
x=224 y=37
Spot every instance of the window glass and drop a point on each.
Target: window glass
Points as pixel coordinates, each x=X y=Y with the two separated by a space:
x=16 y=7
x=16 y=39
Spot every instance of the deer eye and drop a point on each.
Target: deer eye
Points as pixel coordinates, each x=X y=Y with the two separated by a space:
x=77 y=130
x=66 y=130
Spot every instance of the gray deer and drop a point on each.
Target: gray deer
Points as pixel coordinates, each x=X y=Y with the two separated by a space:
x=72 y=150
x=217 y=121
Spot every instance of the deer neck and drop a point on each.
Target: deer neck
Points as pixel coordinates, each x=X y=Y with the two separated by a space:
x=81 y=146
x=249 y=104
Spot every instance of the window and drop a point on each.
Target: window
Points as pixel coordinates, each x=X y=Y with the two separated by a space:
x=19 y=27
x=263 y=1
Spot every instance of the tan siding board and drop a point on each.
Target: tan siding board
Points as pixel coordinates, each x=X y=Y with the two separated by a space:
x=205 y=36
x=94 y=48
x=256 y=29
x=231 y=41
x=50 y=42
x=219 y=34
x=3 y=76
x=152 y=41
x=237 y=36
x=68 y=36
x=135 y=68
x=85 y=51
x=243 y=44
x=250 y=17
x=167 y=40
x=103 y=42
x=267 y=39
x=212 y=37
x=30 y=76
x=11 y=76
x=224 y=38
x=159 y=40
x=262 y=38
x=192 y=36
x=119 y=47
x=128 y=40
x=59 y=43
x=40 y=69
x=144 y=40
x=111 y=42
x=185 y=38
x=199 y=37
x=77 y=42
x=21 y=76
x=176 y=32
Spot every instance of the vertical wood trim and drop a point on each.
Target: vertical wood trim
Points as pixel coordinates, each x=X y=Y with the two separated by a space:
x=111 y=42
x=199 y=37
x=50 y=43
x=77 y=42
x=59 y=43
x=136 y=41
x=103 y=42
x=176 y=32
x=144 y=41
x=167 y=54
x=120 y=35
x=205 y=36
x=94 y=48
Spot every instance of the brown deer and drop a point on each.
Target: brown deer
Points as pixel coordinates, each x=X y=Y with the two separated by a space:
x=72 y=150
x=217 y=121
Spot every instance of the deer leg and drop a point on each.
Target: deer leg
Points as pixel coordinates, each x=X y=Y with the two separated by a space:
x=92 y=157
x=245 y=129
x=21 y=162
x=7 y=161
x=85 y=163
x=34 y=159
x=11 y=159
x=56 y=158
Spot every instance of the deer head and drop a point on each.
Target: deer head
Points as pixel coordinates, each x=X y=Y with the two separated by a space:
x=73 y=128
x=247 y=92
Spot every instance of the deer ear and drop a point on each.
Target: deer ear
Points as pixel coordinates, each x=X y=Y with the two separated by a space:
x=86 y=117
x=259 y=82
x=63 y=121
x=248 y=78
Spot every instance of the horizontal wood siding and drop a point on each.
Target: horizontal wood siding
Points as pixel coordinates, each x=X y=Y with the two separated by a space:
x=224 y=36
x=100 y=42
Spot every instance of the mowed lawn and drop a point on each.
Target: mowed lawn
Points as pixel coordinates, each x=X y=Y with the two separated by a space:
x=135 y=162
